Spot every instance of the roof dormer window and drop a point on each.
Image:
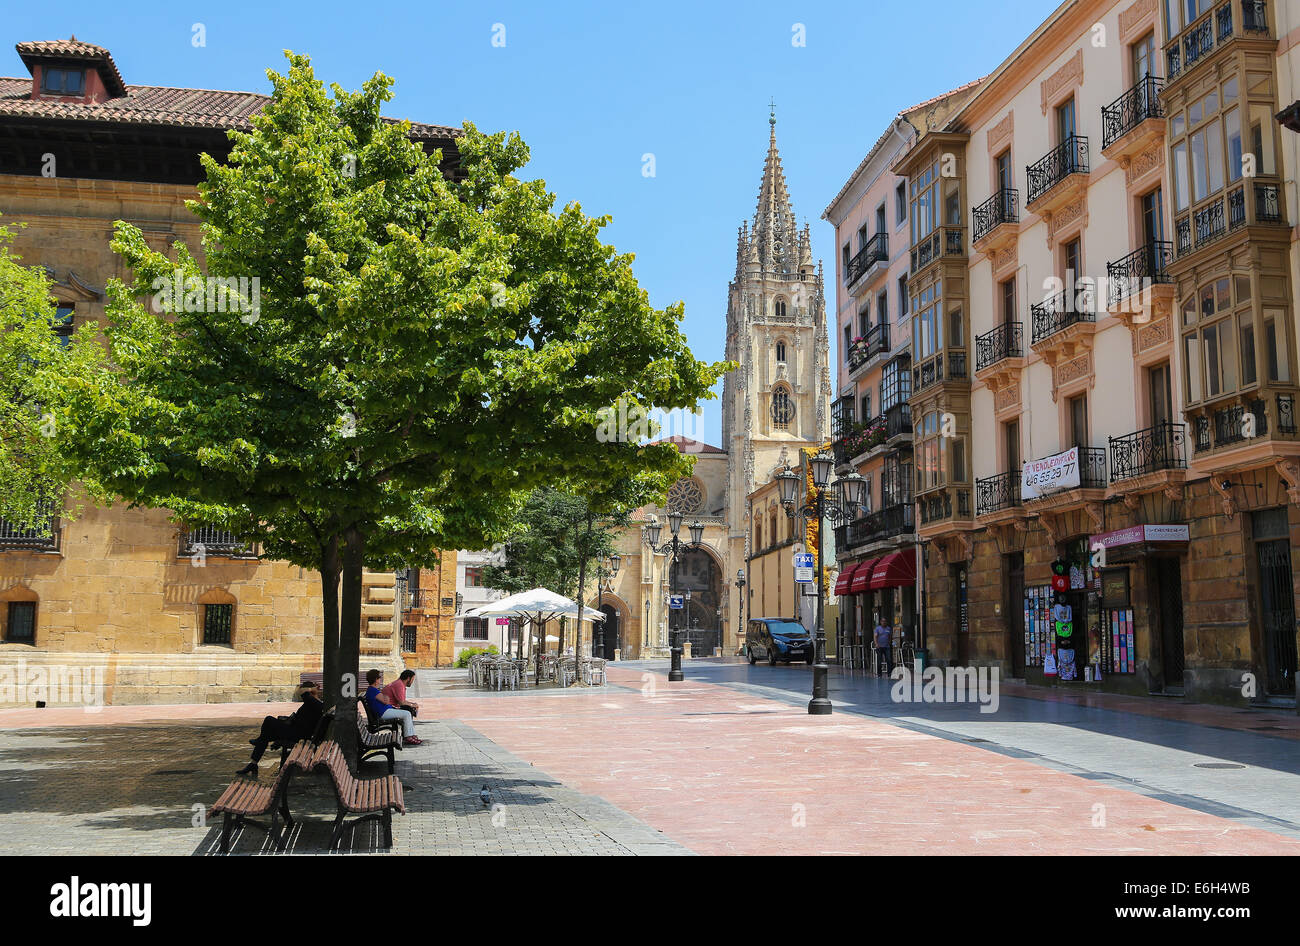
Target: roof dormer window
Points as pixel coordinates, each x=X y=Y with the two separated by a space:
x=63 y=81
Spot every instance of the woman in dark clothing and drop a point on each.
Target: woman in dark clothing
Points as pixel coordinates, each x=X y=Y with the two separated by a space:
x=286 y=730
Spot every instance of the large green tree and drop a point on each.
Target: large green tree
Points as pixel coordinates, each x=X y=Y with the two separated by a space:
x=424 y=349
x=35 y=363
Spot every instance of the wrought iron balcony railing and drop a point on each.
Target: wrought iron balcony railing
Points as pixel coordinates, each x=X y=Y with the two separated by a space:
x=1131 y=109
x=1213 y=220
x=1158 y=447
x=1144 y=267
x=1066 y=308
x=1069 y=157
x=1002 y=207
x=30 y=538
x=1005 y=341
x=931 y=371
x=875 y=342
x=885 y=523
x=876 y=250
x=208 y=540
x=993 y=493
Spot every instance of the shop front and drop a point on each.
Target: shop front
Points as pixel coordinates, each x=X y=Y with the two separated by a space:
x=855 y=621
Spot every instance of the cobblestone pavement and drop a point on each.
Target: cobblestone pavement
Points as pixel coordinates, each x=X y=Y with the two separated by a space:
x=140 y=789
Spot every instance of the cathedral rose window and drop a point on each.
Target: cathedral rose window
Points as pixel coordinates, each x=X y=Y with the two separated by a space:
x=686 y=496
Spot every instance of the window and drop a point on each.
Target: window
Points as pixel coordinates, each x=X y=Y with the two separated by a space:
x=63 y=81
x=1065 y=125
x=1011 y=442
x=1078 y=408
x=1008 y=293
x=1143 y=54
x=779 y=308
x=1228 y=344
x=1004 y=181
x=848 y=337
x=21 y=628
x=217 y=619
x=782 y=409
x=780 y=351
x=864 y=320
x=900 y=203
x=473 y=577
x=1276 y=349
x=924 y=196
x=1153 y=226
x=902 y=297
x=958 y=460
x=845 y=256
x=758 y=534
x=774 y=535
x=862 y=238
x=956 y=334
x=927 y=324
x=895 y=385
x=882 y=307
x=61 y=324
x=929 y=472
x=476 y=629
x=1072 y=257
x=1161 y=402
x=880 y=219
x=866 y=407
x=1207 y=144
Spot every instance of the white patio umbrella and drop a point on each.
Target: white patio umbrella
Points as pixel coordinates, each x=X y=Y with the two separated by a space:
x=537 y=606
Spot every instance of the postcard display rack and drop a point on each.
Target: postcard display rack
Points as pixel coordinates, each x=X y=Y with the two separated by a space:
x=1109 y=630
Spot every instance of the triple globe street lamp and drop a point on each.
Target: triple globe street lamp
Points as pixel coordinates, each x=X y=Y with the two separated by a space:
x=839 y=509
x=673 y=550
x=606 y=570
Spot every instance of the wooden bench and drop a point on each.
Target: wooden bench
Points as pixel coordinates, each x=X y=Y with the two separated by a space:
x=376 y=736
x=373 y=798
x=248 y=798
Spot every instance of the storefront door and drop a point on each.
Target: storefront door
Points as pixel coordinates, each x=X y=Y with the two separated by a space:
x=1277 y=615
x=1168 y=598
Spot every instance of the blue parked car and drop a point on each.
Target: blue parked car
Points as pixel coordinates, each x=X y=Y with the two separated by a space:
x=778 y=639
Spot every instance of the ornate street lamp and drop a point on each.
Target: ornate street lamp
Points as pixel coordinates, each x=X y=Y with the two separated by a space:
x=740 y=605
x=673 y=550
x=838 y=509
x=606 y=570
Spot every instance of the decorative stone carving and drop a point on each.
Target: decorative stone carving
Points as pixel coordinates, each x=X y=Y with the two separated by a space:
x=1289 y=470
x=1006 y=398
x=1136 y=18
x=1080 y=367
x=1066 y=217
x=1001 y=132
x=1068 y=76
x=1097 y=513
x=1153 y=335
x=1143 y=163
x=1005 y=258
x=1049 y=527
x=967 y=546
x=1224 y=489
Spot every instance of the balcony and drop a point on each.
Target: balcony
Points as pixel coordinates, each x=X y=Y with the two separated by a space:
x=28 y=539
x=1133 y=120
x=894 y=520
x=898 y=422
x=842 y=423
x=860 y=439
x=1211 y=221
x=868 y=347
x=875 y=251
x=1136 y=273
x=215 y=543
x=997 y=493
x=1005 y=341
x=943 y=241
x=1214 y=30
x=1219 y=428
x=1059 y=176
x=1055 y=316
x=931 y=371
x=952 y=502
x=1151 y=450
x=1002 y=208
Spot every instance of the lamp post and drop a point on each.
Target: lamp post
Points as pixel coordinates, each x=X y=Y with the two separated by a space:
x=673 y=550
x=611 y=563
x=837 y=509
x=740 y=605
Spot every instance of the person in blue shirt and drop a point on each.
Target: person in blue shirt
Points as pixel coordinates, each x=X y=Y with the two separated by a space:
x=378 y=704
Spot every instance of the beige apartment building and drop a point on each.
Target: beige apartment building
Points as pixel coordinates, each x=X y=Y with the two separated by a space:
x=1103 y=295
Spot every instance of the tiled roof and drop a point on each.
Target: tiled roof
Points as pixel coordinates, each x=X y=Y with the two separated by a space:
x=74 y=49
x=160 y=105
x=687 y=445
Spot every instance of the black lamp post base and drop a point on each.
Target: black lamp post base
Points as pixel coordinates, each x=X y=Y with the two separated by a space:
x=820 y=704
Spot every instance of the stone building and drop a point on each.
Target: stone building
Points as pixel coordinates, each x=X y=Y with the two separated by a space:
x=168 y=612
x=1104 y=355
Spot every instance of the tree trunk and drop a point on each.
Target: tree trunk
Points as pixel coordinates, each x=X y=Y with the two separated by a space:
x=349 y=654
x=329 y=587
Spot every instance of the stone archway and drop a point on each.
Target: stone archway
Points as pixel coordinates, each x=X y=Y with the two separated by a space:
x=701 y=620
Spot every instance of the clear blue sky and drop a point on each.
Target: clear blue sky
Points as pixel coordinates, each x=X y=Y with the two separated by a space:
x=594 y=86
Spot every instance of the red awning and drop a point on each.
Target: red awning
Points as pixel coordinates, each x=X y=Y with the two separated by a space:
x=862 y=578
x=846 y=577
x=894 y=570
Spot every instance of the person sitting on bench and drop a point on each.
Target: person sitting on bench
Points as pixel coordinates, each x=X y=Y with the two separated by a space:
x=286 y=730
x=385 y=711
x=395 y=693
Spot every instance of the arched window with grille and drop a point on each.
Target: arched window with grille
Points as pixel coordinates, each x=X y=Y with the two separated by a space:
x=782 y=408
